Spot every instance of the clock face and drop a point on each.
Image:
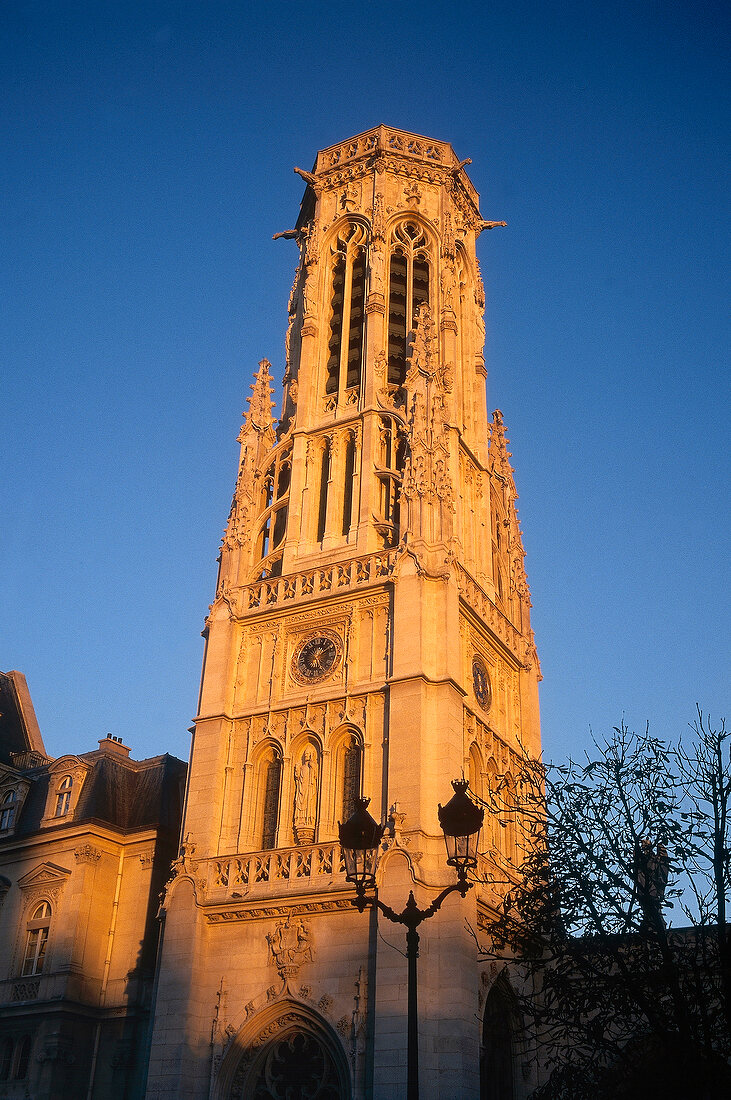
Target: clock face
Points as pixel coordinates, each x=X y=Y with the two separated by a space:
x=317 y=657
x=481 y=683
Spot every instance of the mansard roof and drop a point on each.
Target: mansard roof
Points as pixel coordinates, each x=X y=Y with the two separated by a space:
x=122 y=793
x=19 y=732
x=125 y=794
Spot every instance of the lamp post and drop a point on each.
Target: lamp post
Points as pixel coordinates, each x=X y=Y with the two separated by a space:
x=360 y=838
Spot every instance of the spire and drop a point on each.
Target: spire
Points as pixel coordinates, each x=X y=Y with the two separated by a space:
x=256 y=438
x=499 y=458
x=259 y=413
x=498 y=449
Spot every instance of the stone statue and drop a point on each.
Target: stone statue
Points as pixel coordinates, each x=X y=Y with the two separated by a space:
x=305 y=796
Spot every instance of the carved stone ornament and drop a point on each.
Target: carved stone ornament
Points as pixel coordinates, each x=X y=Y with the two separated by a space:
x=290 y=945
x=306 y=773
x=46 y=880
x=412 y=193
x=87 y=853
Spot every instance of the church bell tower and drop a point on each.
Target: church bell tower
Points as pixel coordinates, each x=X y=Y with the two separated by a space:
x=370 y=635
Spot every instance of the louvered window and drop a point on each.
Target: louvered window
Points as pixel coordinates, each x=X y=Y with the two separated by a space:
x=408 y=289
x=347 y=312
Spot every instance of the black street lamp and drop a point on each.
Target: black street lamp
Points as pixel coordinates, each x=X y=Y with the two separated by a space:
x=360 y=839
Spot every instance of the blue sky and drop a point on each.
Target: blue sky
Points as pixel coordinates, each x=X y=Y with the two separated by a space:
x=147 y=161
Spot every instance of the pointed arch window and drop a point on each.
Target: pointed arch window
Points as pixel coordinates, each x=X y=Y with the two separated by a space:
x=349 y=767
x=267 y=811
x=324 y=486
x=348 y=475
x=63 y=796
x=475 y=771
x=392 y=459
x=275 y=506
x=8 y=808
x=497 y=1078
x=347 y=312
x=36 y=940
x=408 y=289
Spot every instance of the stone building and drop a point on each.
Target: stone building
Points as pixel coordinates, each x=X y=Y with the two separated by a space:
x=370 y=634
x=86 y=844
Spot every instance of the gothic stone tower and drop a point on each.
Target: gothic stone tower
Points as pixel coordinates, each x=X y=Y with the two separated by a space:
x=370 y=633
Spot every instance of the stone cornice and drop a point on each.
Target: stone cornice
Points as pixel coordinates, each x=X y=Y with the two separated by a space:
x=69 y=835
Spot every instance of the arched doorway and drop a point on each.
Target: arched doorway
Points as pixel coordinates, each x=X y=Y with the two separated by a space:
x=285 y=1052
x=497 y=1054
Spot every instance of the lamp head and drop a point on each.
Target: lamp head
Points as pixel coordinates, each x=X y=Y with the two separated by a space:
x=461 y=821
x=360 y=838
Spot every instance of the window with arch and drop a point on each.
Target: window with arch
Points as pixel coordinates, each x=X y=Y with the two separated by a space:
x=36 y=940
x=8 y=808
x=474 y=764
x=408 y=288
x=6 y=1057
x=302 y=1059
x=510 y=817
x=392 y=460
x=348 y=476
x=497 y=1078
x=275 y=504
x=22 y=1059
x=347 y=310
x=492 y=795
x=14 y=1057
x=348 y=775
x=325 y=469
x=269 y=780
x=63 y=796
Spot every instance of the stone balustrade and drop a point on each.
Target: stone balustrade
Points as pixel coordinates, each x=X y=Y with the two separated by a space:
x=347 y=575
x=303 y=867
x=479 y=601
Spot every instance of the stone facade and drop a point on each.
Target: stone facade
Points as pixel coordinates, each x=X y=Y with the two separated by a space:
x=370 y=634
x=85 y=848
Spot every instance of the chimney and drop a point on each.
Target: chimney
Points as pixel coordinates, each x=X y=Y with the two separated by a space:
x=113 y=746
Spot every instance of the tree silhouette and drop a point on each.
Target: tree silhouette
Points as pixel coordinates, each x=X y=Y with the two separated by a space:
x=621 y=1000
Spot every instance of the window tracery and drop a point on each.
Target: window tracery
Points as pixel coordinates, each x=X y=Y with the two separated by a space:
x=409 y=272
x=347 y=311
x=275 y=507
x=392 y=460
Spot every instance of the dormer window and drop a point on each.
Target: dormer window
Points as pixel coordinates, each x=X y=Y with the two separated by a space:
x=63 y=797
x=36 y=940
x=8 y=808
x=65 y=782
